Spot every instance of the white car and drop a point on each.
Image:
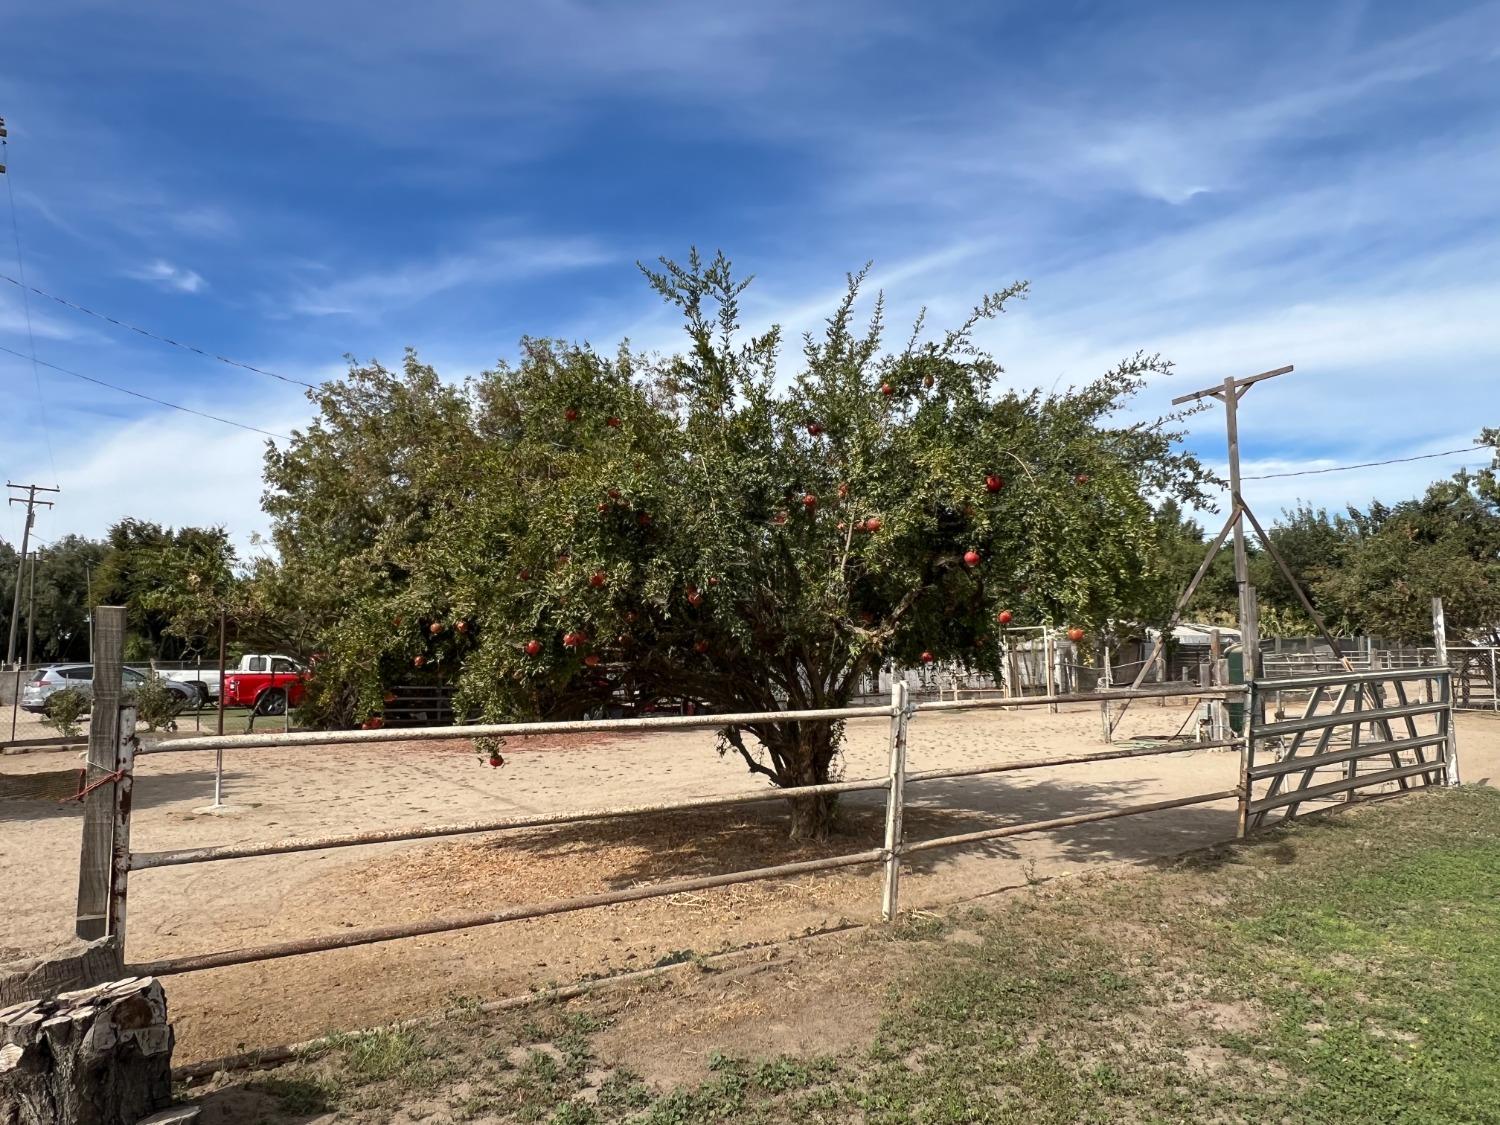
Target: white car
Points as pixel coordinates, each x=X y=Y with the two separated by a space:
x=47 y=682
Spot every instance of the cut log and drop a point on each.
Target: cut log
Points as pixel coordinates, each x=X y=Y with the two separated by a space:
x=98 y=1056
x=70 y=966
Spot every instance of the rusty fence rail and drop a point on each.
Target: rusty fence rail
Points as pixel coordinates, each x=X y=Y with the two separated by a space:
x=900 y=712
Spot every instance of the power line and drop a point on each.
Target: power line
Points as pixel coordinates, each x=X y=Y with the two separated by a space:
x=206 y=354
x=148 y=398
x=1368 y=464
x=15 y=230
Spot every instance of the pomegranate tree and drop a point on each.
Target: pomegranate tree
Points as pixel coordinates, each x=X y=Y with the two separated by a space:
x=881 y=533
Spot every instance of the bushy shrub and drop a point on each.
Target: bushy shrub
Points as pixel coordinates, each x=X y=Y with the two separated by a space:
x=156 y=705
x=64 y=710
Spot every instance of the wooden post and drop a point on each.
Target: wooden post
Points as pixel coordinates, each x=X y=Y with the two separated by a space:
x=1250 y=635
x=120 y=851
x=895 y=802
x=95 y=860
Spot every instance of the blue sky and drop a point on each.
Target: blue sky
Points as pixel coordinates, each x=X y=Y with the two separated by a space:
x=1237 y=186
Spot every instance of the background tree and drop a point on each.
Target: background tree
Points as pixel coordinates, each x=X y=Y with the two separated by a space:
x=60 y=628
x=1398 y=558
x=576 y=529
x=171 y=582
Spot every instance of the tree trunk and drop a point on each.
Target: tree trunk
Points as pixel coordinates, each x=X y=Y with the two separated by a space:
x=808 y=750
x=813 y=817
x=99 y=1056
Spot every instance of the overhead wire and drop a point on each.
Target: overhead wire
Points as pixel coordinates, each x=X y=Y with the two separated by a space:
x=204 y=352
x=148 y=398
x=15 y=229
x=1364 y=464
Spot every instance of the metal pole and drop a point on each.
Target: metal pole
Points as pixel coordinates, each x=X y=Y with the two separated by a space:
x=15 y=702
x=88 y=594
x=198 y=710
x=1049 y=654
x=1106 y=676
x=120 y=865
x=895 y=802
x=220 y=730
x=1494 y=684
x=1247 y=762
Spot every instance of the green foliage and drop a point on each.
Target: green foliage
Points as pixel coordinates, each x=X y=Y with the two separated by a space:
x=1367 y=572
x=1445 y=544
x=695 y=526
x=60 y=631
x=64 y=710
x=156 y=705
x=172 y=584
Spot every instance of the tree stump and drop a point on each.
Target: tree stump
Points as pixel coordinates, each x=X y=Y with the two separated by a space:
x=98 y=1056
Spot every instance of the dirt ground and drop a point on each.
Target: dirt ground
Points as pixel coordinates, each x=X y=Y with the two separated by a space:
x=315 y=791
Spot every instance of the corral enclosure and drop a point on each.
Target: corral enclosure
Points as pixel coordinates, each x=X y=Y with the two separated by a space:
x=321 y=790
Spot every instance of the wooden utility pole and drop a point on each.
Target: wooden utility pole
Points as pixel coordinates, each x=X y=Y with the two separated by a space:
x=31 y=607
x=32 y=503
x=1230 y=394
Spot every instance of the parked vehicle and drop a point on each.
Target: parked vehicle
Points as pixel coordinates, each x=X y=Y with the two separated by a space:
x=54 y=678
x=205 y=677
x=267 y=684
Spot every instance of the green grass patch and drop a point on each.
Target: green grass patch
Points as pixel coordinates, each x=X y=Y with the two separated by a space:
x=1342 y=970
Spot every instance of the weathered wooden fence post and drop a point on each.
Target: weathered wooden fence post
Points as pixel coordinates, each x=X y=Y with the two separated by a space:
x=895 y=802
x=96 y=858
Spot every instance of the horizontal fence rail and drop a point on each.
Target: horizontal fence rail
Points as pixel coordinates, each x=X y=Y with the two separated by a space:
x=398 y=930
x=1359 y=728
x=1333 y=788
x=1379 y=675
x=142 y=861
x=509 y=730
x=1065 y=821
x=899 y=712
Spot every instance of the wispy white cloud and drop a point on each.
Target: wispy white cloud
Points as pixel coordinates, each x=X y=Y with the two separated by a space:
x=14 y=320
x=404 y=284
x=164 y=273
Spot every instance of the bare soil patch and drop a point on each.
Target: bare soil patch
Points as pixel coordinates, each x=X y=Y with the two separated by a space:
x=319 y=791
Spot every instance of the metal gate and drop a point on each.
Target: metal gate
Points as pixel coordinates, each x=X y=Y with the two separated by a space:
x=1375 y=730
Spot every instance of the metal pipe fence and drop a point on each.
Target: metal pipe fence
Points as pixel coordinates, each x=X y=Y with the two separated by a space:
x=899 y=712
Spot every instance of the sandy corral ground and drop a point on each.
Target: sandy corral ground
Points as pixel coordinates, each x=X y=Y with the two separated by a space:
x=316 y=791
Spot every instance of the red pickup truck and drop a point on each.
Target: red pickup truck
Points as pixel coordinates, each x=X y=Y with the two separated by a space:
x=267 y=684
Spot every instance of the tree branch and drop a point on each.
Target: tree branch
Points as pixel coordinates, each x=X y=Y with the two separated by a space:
x=731 y=736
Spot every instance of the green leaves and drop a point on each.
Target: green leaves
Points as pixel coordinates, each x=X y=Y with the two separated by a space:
x=767 y=537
